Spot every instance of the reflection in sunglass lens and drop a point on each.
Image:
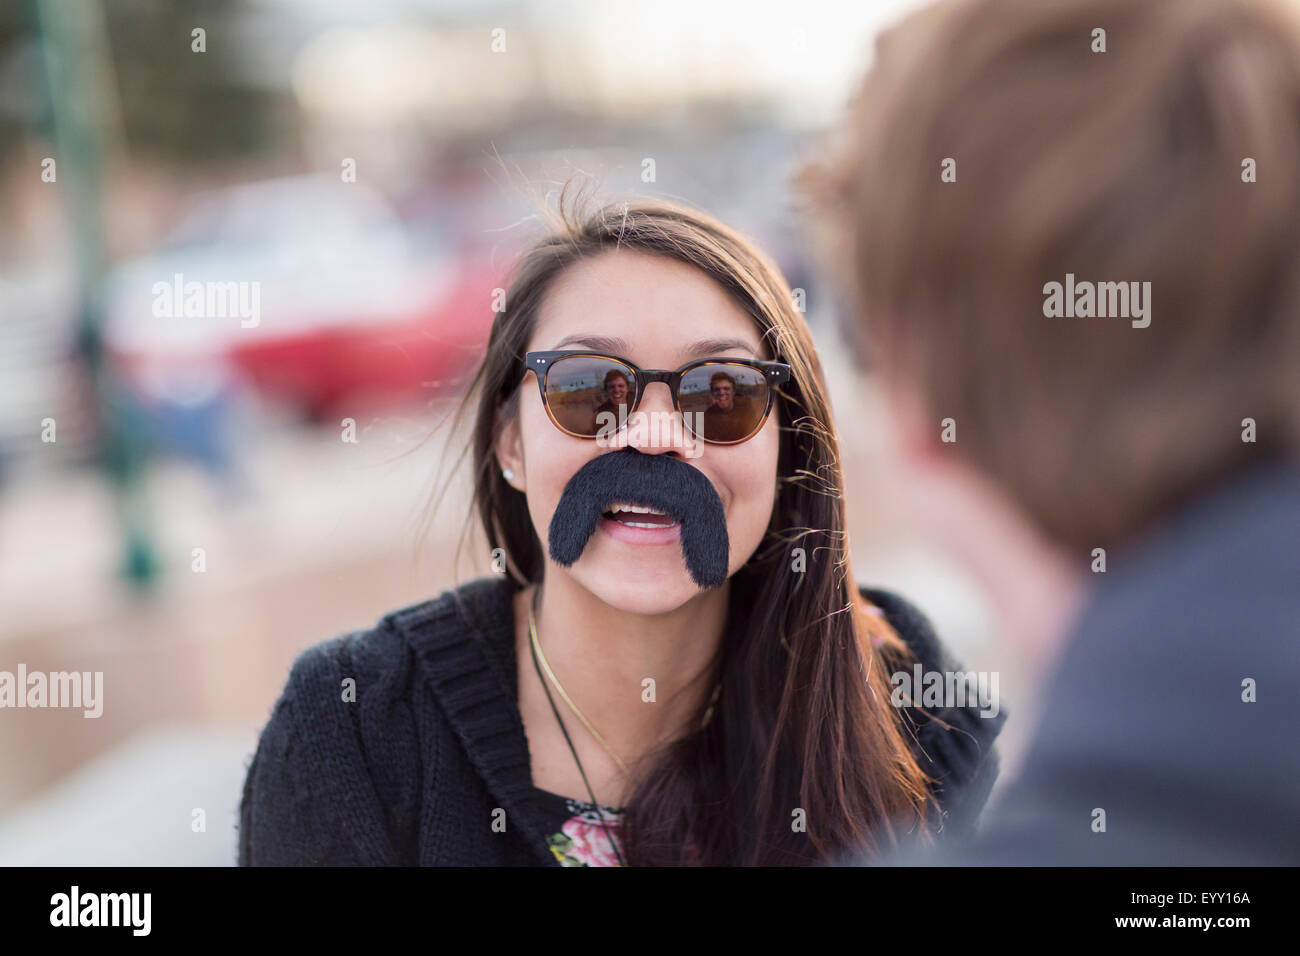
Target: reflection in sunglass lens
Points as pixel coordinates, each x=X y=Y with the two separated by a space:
x=731 y=398
x=585 y=393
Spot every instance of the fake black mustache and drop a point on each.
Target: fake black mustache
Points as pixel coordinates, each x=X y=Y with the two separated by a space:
x=660 y=481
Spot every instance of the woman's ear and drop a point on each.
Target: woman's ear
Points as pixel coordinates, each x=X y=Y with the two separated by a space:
x=509 y=448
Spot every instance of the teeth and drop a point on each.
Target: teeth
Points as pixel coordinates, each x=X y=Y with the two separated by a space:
x=636 y=509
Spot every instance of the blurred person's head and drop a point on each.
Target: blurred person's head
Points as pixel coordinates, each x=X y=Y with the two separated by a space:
x=995 y=149
x=661 y=286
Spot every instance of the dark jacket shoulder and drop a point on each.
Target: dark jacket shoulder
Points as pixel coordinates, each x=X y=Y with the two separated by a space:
x=1159 y=748
x=340 y=775
x=328 y=782
x=954 y=744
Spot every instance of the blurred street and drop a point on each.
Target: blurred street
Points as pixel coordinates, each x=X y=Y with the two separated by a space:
x=327 y=543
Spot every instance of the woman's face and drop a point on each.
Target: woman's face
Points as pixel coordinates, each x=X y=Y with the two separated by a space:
x=659 y=314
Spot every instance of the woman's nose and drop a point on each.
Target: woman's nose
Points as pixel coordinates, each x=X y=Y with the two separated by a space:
x=655 y=427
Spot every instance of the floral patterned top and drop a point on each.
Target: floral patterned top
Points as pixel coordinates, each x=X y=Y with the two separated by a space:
x=580 y=832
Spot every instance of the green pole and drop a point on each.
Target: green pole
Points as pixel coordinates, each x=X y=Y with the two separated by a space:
x=84 y=117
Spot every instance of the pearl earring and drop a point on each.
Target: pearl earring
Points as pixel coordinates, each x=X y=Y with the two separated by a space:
x=507 y=474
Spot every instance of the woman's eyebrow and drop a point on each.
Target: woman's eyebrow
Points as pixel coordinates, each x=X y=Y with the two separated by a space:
x=606 y=343
x=713 y=346
x=602 y=343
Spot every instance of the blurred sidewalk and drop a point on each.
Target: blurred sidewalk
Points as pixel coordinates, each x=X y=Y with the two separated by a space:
x=135 y=806
x=327 y=543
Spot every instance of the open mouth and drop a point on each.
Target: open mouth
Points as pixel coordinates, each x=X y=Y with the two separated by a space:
x=638 y=516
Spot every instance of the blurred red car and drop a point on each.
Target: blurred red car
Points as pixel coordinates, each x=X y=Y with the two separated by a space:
x=310 y=289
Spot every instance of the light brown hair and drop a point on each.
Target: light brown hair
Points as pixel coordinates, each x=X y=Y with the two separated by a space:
x=1123 y=165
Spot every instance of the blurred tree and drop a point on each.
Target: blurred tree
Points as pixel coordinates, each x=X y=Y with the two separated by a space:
x=16 y=78
x=187 y=106
x=176 y=104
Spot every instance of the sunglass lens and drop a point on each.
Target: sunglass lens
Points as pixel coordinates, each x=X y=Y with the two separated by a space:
x=724 y=403
x=586 y=394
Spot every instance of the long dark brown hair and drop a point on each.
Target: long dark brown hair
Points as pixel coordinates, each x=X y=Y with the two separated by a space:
x=803 y=721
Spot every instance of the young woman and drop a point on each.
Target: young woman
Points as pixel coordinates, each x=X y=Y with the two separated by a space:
x=676 y=666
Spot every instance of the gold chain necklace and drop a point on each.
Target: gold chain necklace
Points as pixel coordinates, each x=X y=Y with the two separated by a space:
x=550 y=674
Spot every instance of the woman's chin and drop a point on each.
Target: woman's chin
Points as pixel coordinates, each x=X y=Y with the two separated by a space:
x=647 y=589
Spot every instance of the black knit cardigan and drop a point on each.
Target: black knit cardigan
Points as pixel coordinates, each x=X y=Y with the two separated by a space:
x=415 y=767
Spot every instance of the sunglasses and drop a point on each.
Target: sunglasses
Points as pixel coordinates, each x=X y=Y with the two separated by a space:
x=722 y=401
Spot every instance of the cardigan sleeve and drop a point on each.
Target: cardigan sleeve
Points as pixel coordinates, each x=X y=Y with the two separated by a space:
x=954 y=745
x=309 y=797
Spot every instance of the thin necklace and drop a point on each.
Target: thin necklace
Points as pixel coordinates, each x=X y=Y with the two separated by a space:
x=537 y=650
x=536 y=646
x=539 y=661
